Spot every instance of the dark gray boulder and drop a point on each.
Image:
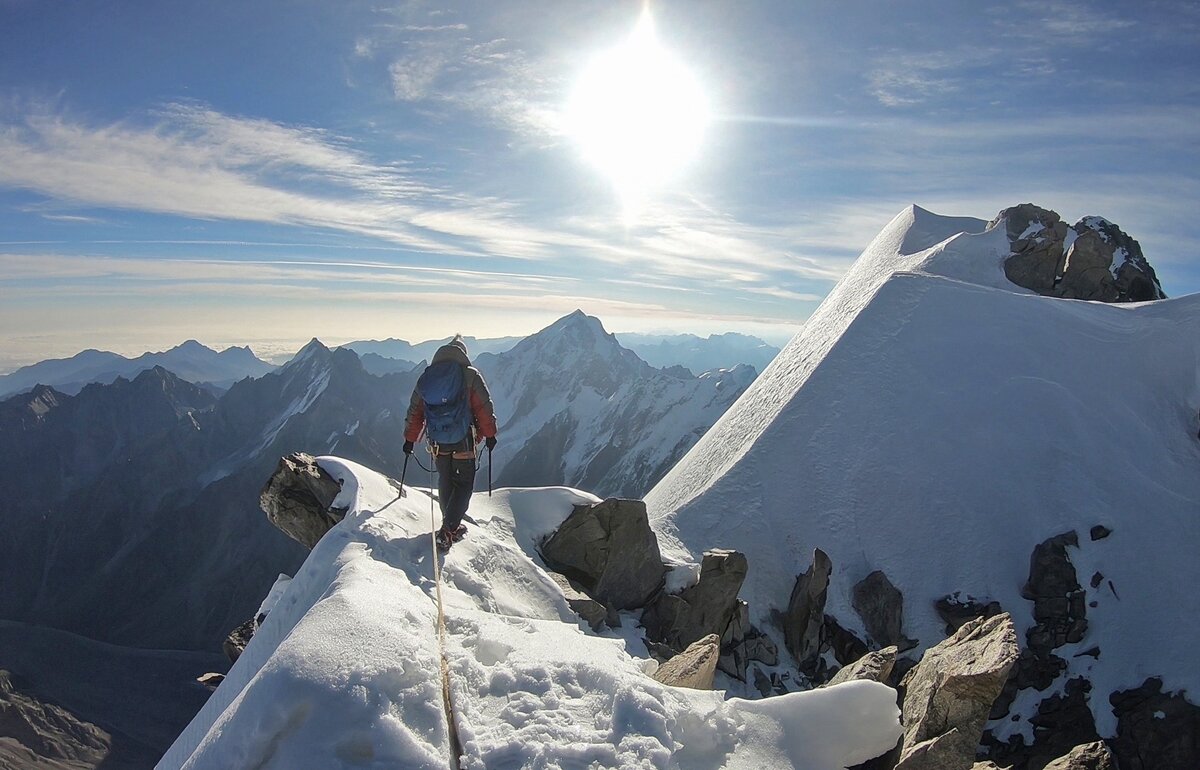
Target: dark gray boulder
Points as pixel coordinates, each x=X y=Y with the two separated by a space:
x=609 y=549
x=1036 y=236
x=1134 y=280
x=594 y=613
x=297 y=499
x=1059 y=602
x=705 y=608
x=881 y=607
x=805 y=616
x=956 y=610
x=1062 y=722
x=1156 y=730
x=743 y=643
x=235 y=644
x=845 y=646
x=948 y=696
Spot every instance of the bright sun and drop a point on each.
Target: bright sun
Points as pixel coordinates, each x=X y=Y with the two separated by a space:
x=638 y=114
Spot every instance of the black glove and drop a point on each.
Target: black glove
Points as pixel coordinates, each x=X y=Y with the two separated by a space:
x=408 y=447
x=491 y=442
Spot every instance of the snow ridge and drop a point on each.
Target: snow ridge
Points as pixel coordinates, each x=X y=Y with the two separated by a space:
x=343 y=672
x=936 y=422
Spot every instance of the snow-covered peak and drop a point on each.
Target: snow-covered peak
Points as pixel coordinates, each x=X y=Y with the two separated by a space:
x=315 y=349
x=918 y=229
x=573 y=351
x=934 y=421
x=577 y=330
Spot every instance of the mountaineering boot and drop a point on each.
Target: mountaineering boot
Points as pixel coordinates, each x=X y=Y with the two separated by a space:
x=446 y=538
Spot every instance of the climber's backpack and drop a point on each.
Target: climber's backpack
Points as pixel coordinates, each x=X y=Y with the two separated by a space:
x=447 y=413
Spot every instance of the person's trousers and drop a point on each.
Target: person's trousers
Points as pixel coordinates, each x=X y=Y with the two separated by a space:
x=456 y=481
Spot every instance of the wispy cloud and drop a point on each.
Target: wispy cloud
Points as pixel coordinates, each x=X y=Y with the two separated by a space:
x=1070 y=22
x=73 y=219
x=452 y=66
x=195 y=162
x=413 y=76
x=905 y=79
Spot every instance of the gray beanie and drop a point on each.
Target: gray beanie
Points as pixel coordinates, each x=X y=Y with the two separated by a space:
x=458 y=343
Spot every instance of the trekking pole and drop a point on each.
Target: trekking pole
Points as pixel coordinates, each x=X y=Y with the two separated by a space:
x=489 y=471
x=403 y=471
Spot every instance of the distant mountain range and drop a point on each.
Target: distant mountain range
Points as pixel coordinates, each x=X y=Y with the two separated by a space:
x=410 y=354
x=141 y=496
x=217 y=371
x=699 y=354
x=190 y=361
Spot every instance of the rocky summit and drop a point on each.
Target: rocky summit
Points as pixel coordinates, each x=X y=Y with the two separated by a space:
x=1093 y=259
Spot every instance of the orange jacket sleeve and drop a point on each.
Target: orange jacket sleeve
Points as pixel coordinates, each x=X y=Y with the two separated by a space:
x=481 y=403
x=415 y=419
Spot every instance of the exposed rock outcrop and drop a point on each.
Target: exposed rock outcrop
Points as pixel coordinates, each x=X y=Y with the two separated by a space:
x=1037 y=236
x=742 y=643
x=705 y=608
x=845 y=646
x=956 y=610
x=610 y=550
x=235 y=644
x=594 y=613
x=298 y=498
x=1088 y=756
x=875 y=666
x=1092 y=259
x=881 y=607
x=211 y=680
x=805 y=616
x=1156 y=730
x=1062 y=722
x=1059 y=602
x=948 y=696
x=694 y=667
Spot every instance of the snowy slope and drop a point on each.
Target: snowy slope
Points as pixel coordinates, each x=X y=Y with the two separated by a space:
x=936 y=422
x=344 y=671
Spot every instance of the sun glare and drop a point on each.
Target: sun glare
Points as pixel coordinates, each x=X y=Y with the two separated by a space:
x=638 y=114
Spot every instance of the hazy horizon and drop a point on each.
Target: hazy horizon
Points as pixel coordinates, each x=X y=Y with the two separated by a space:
x=278 y=351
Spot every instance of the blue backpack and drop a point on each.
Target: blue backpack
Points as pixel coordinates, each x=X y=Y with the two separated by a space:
x=447 y=413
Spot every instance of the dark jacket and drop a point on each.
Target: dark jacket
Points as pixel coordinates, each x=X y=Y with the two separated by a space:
x=480 y=401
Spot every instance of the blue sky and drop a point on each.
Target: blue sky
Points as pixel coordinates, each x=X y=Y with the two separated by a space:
x=267 y=172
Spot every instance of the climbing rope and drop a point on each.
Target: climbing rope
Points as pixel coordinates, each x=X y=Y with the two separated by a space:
x=443 y=661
